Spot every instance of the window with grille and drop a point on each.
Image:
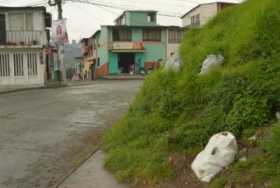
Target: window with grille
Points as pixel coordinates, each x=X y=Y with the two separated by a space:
x=175 y=36
x=151 y=35
x=32 y=64
x=29 y=21
x=122 y=35
x=16 y=21
x=18 y=64
x=4 y=65
x=21 y=21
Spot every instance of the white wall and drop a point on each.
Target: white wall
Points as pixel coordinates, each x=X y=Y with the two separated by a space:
x=206 y=11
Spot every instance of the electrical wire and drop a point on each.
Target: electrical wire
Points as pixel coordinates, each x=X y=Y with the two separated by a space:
x=115 y=6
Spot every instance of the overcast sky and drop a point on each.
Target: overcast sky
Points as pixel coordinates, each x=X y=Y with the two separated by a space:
x=84 y=19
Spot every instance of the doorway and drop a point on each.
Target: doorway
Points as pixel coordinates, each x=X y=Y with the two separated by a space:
x=126 y=63
x=2 y=29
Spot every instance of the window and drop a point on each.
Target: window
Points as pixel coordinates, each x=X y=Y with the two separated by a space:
x=16 y=21
x=175 y=36
x=4 y=65
x=32 y=64
x=195 y=20
x=152 y=35
x=18 y=64
x=29 y=21
x=21 y=21
x=122 y=35
x=151 y=17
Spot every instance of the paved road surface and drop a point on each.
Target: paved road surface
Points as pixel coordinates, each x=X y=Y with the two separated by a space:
x=46 y=133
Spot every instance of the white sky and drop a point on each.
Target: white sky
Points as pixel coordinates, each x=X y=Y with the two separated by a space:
x=84 y=19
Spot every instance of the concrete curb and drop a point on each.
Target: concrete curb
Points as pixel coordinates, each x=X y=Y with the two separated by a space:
x=64 y=178
x=14 y=90
x=19 y=90
x=69 y=84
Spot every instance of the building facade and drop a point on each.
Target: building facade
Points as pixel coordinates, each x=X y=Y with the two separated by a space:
x=136 y=44
x=202 y=13
x=23 y=38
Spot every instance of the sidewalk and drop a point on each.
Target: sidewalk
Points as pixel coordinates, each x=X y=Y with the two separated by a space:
x=92 y=175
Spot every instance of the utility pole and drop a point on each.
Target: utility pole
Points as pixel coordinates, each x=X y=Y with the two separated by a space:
x=60 y=47
x=57 y=3
x=59 y=8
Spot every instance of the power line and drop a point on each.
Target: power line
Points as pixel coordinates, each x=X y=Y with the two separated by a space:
x=114 y=6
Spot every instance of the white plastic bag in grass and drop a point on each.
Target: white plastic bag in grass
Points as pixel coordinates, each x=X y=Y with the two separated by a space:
x=218 y=154
x=173 y=63
x=211 y=61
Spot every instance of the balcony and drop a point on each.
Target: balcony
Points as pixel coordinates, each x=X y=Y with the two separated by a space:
x=126 y=46
x=26 y=38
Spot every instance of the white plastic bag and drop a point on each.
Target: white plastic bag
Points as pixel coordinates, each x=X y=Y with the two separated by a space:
x=210 y=61
x=218 y=154
x=173 y=63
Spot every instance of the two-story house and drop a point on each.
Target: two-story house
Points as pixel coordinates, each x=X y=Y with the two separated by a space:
x=23 y=37
x=202 y=13
x=134 y=45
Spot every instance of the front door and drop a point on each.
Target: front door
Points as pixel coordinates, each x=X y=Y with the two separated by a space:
x=126 y=62
x=2 y=29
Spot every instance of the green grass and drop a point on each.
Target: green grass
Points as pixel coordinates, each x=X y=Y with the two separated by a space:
x=178 y=112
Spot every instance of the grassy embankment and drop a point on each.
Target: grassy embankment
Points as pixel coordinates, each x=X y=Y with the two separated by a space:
x=178 y=112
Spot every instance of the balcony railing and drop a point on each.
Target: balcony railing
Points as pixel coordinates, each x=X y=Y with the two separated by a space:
x=28 y=38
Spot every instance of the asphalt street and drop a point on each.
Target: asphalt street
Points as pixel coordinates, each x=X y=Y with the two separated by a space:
x=46 y=133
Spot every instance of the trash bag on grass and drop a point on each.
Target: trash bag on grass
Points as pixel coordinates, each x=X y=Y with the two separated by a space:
x=173 y=63
x=218 y=154
x=211 y=61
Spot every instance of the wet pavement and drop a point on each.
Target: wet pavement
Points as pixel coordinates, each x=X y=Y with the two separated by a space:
x=47 y=133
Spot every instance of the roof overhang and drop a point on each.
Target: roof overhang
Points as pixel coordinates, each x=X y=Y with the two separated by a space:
x=6 y=8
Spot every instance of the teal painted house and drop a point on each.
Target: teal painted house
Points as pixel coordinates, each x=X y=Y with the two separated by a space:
x=136 y=44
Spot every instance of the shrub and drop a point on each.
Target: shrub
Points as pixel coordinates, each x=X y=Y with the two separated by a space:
x=247 y=112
